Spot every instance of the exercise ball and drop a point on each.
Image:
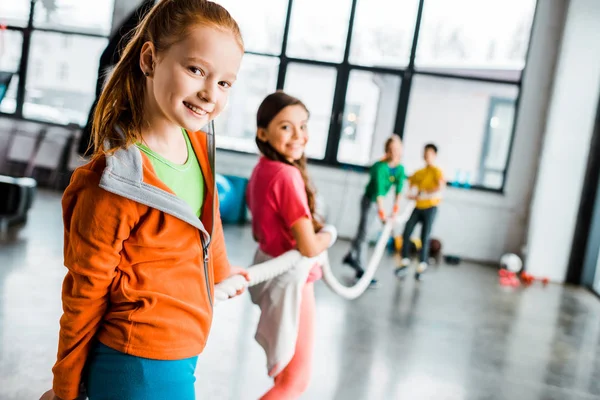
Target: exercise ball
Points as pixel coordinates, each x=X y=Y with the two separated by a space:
x=435 y=246
x=391 y=245
x=225 y=192
x=511 y=262
x=398 y=243
x=232 y=198
x=417 y=243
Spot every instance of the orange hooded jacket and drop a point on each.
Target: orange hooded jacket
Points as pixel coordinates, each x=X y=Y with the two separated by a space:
x=141 y=265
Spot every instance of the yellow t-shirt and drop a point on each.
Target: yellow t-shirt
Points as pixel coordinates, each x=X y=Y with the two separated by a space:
x=425 y=179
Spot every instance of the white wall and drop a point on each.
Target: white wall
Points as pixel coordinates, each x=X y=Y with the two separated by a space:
x=471 y=224
x=566 y=144
x=453 y=114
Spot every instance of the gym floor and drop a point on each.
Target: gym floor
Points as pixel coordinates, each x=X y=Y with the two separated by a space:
x=456 y=335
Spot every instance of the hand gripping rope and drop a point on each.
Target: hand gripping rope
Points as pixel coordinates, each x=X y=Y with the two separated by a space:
x=270 y=269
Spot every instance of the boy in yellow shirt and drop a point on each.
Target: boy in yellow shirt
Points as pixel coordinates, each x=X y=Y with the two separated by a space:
x=425 y=188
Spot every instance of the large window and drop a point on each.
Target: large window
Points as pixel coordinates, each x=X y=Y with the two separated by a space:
x=61 y=89
x=12 y=43
x=383 y=38
x=236 y=126
x=15 y=12
x=60 y=42
x=318 y=29
x=315 y=86
x=93 y=17
x=475 y=38
x=262 y=31
x=369 y=116
x=442 y=71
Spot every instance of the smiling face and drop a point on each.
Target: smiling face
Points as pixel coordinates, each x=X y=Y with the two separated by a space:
x=287 y=132
x=188 y=83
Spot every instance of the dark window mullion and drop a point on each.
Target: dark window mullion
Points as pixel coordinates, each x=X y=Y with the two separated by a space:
x=407 y=78
x=468 y=77
x=24 y=62
x=283 y=61
x=260 y=54
x=518 y=99
x=68 y=32
x=15 y=28
x=381 y=70
x=339 y=99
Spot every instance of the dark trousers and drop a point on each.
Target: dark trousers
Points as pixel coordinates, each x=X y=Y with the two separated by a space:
x=359 y=241
x=425 y=217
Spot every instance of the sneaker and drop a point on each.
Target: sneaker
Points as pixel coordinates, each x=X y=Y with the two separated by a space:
x=401 y=271
x=405 y=262
x=374 y=284
x=352 y=262
x=420 y=269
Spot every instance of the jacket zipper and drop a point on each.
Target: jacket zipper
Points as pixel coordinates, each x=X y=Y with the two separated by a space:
x=206 y=277
x=210 y=147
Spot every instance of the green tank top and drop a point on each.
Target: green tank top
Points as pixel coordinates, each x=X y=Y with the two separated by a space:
x=185 y=180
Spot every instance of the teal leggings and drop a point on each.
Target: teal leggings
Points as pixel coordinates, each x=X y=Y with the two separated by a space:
x=112 y=375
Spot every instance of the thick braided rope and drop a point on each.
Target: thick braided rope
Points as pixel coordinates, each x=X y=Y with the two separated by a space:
x=270 y=269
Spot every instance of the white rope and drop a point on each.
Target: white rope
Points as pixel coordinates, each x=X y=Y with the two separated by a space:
x=270 y=269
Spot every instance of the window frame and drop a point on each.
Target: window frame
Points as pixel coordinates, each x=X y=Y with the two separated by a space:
x=406 y=75
x=343 y=68
x=27 y=32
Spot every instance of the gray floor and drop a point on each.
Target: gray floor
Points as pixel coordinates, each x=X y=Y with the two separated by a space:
x=455 y=336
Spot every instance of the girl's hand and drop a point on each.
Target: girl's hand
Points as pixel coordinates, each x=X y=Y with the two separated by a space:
x=237 y=271
x=332 y=231
x=49 y=395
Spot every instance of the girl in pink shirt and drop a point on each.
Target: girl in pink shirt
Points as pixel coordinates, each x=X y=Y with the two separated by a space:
x=282 y=202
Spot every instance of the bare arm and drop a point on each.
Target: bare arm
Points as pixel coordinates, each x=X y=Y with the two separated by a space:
x=310 y=244
x=379 y=202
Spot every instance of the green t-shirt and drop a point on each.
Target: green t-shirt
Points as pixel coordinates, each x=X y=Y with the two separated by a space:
x=382 y=177
x=185 y=180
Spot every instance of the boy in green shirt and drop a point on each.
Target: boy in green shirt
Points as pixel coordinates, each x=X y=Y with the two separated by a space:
x=383 y=175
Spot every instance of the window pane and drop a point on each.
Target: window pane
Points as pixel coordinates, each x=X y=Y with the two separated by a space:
x=315 y=86
x=9 y=104
x=61 y=77
x=383 y=39
x=12 y=42
x=12 y=46
x=15 y=12
x=492 y=179
x=261 y=22
x=369 y=116
x=235 y=128
x=455 y=115
x=474 y=37
x=502 y=113
x=74 y=15
x=318 y=29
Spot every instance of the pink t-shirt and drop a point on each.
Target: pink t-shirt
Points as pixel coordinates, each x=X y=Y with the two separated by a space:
x=276 y=197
